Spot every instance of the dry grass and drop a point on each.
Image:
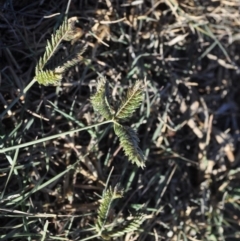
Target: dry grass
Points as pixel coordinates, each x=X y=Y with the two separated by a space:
x=188 y=51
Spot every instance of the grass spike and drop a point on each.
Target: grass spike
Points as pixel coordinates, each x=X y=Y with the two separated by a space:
x=130 y=226
x=48 y=77
x=129 y=142
x=63 y=33
x=131 y=102
x=108 y=197
x=100 y=100
x=71 y=62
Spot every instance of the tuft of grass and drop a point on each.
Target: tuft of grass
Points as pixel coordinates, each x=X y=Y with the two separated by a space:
x=56 y=154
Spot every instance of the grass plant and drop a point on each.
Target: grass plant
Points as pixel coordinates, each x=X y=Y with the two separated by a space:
x=76 y=119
